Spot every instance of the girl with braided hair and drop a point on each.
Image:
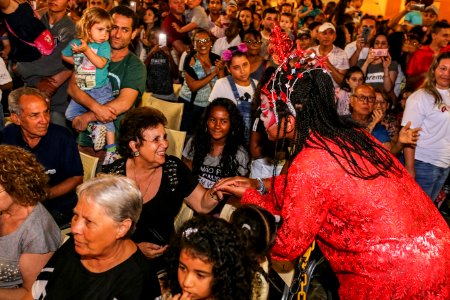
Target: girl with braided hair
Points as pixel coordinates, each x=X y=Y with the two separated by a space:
x=380 y=232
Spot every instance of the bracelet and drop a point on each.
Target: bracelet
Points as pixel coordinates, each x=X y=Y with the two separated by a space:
x=261 y=187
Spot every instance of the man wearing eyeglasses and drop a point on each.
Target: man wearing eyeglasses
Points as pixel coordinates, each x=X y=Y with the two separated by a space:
x=366 y=110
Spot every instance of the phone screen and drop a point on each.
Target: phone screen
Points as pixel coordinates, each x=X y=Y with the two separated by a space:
x=365 y=33
x=162 y=41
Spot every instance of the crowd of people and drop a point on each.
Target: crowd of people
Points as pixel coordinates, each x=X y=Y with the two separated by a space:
x=318 y=123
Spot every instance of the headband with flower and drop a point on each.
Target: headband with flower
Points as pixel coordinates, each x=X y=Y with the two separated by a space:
x=227 y=55
x=293 y=66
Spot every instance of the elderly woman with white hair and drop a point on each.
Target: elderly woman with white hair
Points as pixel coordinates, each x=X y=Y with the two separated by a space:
x=100 y=261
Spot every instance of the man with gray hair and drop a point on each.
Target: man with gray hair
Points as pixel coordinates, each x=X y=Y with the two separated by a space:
x=53 y=145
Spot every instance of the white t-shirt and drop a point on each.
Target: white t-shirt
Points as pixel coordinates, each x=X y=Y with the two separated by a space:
x=5 y=77
x=351 y=48
x=433 y=146
x=221 y=44
x=337 y=57
x=222 y=89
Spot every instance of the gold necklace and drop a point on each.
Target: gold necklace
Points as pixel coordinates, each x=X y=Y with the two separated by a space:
x=149 y=181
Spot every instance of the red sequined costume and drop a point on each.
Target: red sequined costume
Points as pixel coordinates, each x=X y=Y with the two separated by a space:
x=383 y=238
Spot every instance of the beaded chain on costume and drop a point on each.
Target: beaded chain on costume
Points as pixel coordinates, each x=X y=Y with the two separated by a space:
x=294 y=64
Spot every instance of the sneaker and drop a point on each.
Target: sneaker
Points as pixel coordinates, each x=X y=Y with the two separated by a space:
x=98 y=136
x=110 y=157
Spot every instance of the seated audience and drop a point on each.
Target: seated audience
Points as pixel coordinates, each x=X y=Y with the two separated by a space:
x=28 y=233
x=100 y=261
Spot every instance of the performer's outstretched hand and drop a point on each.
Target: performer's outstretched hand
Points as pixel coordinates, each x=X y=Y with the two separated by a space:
x=235 y=186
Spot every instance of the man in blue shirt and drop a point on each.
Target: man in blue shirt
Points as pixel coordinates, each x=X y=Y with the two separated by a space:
x=53 y=145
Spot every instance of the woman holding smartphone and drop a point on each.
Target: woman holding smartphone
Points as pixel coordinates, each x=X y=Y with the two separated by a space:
x=379 y=69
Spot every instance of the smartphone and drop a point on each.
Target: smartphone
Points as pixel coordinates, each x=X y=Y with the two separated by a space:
x=162 y=40
x=133 y=5
x=365 y=33
x=418 y=7
x=380 y=52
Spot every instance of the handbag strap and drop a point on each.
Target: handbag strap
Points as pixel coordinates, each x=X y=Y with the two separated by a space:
x=14 y=34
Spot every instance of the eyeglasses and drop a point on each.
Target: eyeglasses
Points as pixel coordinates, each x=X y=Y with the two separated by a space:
x=253 y=42
x=202 y=41
x=304 y=38
x=362 y=98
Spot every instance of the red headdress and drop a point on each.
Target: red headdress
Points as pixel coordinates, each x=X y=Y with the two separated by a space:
x=293 y=65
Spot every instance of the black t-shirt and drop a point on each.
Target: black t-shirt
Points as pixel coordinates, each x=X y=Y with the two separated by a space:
x=158 y=214
x=64 y=277
x=27 y=27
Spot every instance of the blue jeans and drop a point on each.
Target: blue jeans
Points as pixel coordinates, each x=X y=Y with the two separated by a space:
x=430 y=178
x=102 y=95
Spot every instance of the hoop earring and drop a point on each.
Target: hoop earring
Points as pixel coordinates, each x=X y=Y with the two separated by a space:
x=136 y=153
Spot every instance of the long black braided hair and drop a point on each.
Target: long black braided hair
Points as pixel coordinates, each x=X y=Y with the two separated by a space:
x=318 y=124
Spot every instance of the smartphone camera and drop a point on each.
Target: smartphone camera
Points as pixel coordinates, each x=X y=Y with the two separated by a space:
x=365 y=33
x=162 y=40
x=380 y=52
x=418 y=7
x=133 y=5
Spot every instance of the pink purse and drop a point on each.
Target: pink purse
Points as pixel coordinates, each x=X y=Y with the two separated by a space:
x=44 y=42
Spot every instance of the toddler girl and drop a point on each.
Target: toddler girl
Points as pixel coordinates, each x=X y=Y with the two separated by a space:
x=91 y=53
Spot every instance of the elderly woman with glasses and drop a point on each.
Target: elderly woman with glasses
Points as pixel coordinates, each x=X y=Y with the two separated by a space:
x=100 y=261
x=201 y=69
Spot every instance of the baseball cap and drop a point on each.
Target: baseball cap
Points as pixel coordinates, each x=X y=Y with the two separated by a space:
x=302 y=32
x=433 y=9
x=232 y=3
x=326 y=26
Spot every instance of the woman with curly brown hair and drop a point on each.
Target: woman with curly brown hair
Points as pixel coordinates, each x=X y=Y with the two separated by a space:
x=28 y=233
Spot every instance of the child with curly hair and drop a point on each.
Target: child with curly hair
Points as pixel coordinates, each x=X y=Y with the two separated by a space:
x=217 y=149
x=208 y=260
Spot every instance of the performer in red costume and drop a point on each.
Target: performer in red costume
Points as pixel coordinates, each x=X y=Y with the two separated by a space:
x=380 y=232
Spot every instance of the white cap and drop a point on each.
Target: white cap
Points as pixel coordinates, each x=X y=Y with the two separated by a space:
x=326 y=26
